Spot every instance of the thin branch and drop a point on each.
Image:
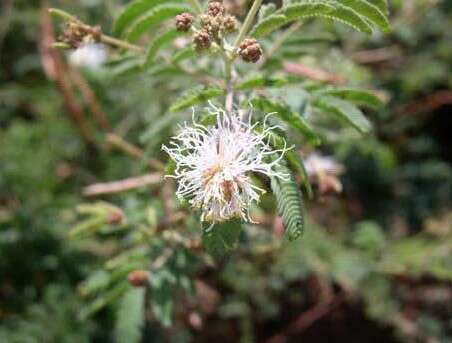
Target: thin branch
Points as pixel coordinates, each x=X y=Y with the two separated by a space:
x=248 y=22
x=313 y=73
x=123 y=185
x=132 y=150
x=307 y=319
x=90 y=97
x=56 y=70
x=280 y=41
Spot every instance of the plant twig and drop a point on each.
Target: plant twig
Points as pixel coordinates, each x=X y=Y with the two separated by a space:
x=103 y=37
x=313 y=73
x=248 y=22
x=307 y=319
x=132 y=150
x=89 y=96
x=279 y=42
x=56 y=70
x=122 y=185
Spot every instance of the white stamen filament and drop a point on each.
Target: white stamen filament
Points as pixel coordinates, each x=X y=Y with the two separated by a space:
x=213 y=165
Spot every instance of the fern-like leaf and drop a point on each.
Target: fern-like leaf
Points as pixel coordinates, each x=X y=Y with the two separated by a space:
x=153 y=18
x=289 y=203
x=197 y=96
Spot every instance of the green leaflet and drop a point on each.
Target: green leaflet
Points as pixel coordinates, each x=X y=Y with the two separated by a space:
x=132 y=12
x=359 y=14
x=153 y=18
x=369 y=11
x=197 y=96
x=222 y=237
x=284 y=112
x=268 y=25
x=345 y=111
x=357 y=96
x=130 y=316
x=163 y=39
x=289 y=203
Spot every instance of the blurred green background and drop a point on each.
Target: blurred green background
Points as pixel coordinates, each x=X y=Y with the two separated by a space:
x=375 y=264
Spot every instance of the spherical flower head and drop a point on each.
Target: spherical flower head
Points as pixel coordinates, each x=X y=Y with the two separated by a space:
x=184 y=22
x=250 y=50
x=215 y=163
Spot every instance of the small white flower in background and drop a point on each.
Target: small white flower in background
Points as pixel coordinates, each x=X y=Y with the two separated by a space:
x=214 y=165
x=324 y=171
x=89 y=55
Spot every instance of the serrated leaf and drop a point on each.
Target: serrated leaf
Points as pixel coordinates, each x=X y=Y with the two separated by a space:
x=285 y=113
x=132 y=12
x=130 y=316
x=289 y=202
x=197 y=96
x=345 y=111
x=268 y=25
x=357 y=96
x=297 y=11
x=162 y=40
x=153 y=18
x=368 y=11
x=220 y=238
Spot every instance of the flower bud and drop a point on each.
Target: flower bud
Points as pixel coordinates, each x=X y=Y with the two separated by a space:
x=250 y=50
x=230 y=24
x=184 y=22
x=215 y=8
x=138 y=278
x=115 y=217
x=202 y=40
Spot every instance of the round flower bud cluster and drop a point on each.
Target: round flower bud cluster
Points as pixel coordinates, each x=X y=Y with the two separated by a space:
x=215 y=24
x=250 y=50
x=184 y=22
x=76 y=34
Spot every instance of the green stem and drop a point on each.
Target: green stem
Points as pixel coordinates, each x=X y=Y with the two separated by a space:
x=120 y=43
x=62 y=14
x=248 y=22
x=196 y=5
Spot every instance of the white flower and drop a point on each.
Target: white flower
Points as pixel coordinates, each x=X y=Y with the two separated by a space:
x=214 y=165
x=90 y=55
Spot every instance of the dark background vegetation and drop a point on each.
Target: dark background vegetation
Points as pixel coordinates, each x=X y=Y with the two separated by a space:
x=375 y=264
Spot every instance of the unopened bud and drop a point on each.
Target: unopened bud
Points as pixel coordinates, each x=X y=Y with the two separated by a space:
x=250 y=50
x=184 y=22
x=215 y=8
x=230 y=24
x=139 y=278
x=202 y=40
x=115 y=217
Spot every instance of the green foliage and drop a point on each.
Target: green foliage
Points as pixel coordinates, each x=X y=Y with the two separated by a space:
x=158 y=43
x=153 y=18
x=286 y=114
x=196 y=96
x=345 y=111
x=359 y=14
x=219 y=239
x=130 y=316
x=289 y=203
